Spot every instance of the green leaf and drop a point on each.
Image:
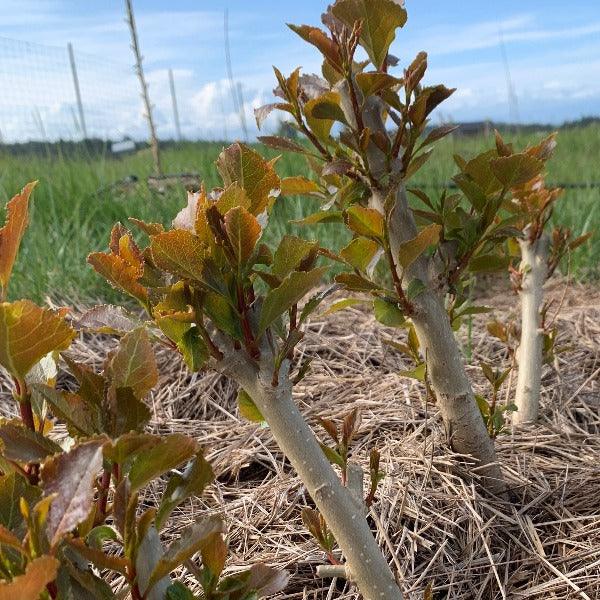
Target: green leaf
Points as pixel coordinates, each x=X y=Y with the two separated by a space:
x=178 y=591
x=126 y=412
x=367 y=222
x=191 y=483
x=380 y=19
x=180 y=252
x=222 y=314
x=71 y=476
x=416 y=162
x=192 y=539
x=411 y=250
x=239 y=163
x=290 y=253
x=243 y=231
x=360 y=252
x=319 y=126
x=28 y=333
x=488 y=263
x=23 y=445
x=388 y=313
x=516 y=169
x=193 y=349
x=247 y=408
x=134 y=365
x=292 y=289
x=342 y=304
x=170 y=452
x=374 y=81
x=313 y=303
x=328 y=107
x=332 y=456
x=417 y=373
x=13 y=487
x=355 y=283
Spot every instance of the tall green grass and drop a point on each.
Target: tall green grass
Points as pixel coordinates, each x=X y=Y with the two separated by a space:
x=74 y=205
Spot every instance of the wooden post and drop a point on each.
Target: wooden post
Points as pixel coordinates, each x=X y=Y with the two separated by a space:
x=144 y=87
x=174 y=103
x=77 y=91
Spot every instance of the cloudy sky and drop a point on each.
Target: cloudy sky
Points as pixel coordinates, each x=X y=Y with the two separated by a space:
x=552 y=52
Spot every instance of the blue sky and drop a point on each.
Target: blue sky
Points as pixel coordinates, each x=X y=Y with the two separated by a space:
x=552 y=50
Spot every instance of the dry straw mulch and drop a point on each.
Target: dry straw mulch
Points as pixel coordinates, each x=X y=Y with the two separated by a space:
x=431 y=521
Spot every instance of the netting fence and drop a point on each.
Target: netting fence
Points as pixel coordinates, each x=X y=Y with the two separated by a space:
x=39 y=101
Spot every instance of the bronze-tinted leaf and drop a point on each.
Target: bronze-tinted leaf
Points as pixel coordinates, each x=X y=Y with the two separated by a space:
x=516 y=169
x=319 y=39
x=380 y=19
x=71 y=477
x=243 y=231
x=231 y=197
x=134 y=365
x=119 y=273
x=239 y=163
x=281 y=143
x=367 y=222
x=291 y=186
x=411 y=250
x=24 y=445
x=17 y=215
x=180 y=252
x=28 y=333
x=38 y=574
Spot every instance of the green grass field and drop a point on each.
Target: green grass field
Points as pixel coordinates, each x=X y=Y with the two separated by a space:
x=72 y=214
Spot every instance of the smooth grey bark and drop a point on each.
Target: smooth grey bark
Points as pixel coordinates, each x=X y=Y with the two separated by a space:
x=365 y=563
x=534 y=257
x=464 y=424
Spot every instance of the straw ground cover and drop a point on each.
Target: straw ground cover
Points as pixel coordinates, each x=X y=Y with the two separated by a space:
x=76 y=204
x=434 y=528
